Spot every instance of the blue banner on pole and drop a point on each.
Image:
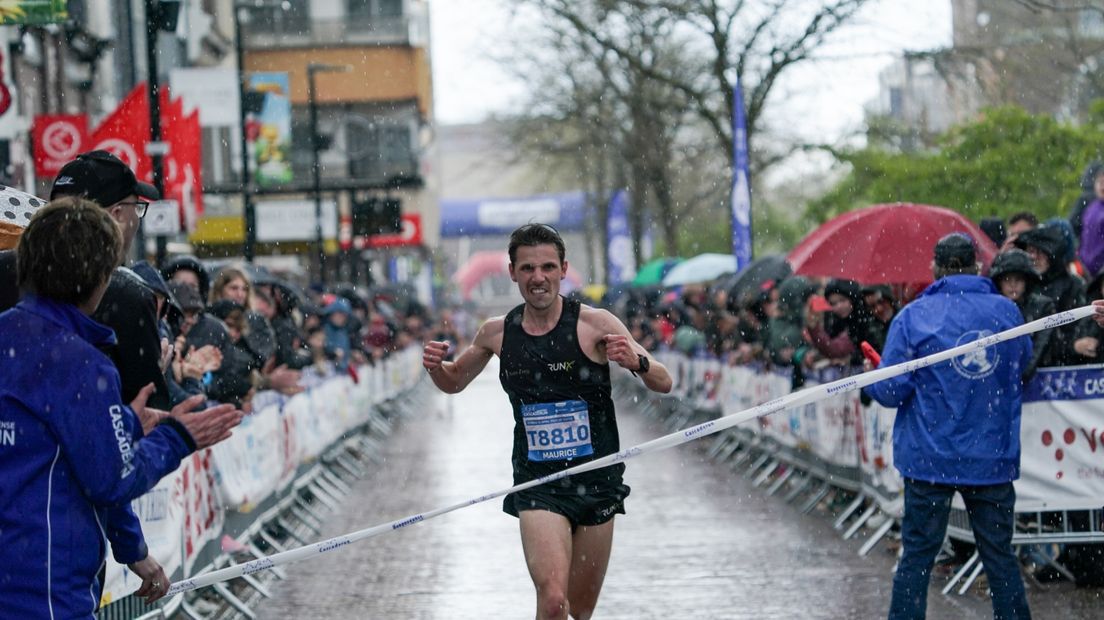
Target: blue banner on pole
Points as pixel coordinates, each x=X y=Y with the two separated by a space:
x=620 y=264
x=741 y=187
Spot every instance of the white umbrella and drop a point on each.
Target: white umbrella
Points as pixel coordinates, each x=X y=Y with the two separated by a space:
x=16 y=209
x=701 y=268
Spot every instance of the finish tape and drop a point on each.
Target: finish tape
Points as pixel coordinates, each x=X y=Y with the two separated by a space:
x=687 y=435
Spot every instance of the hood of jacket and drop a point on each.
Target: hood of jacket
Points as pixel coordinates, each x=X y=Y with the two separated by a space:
x=1051 y=241
x=190 y=263
x=1014 y=261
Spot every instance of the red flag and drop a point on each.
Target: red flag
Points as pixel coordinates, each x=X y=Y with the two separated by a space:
x=57 y=139
x=183 y=166
x=125 y=132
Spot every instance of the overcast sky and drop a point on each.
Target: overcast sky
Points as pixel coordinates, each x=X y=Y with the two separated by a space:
x=822 y=101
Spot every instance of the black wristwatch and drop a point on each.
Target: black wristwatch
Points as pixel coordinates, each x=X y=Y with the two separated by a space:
x=645 y=365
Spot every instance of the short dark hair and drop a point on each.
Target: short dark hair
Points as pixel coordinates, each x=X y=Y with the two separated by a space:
x=70 y=248
x=536 y=234
x=1023 y=216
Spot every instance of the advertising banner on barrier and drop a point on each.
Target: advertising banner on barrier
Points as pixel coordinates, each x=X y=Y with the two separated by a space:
x=186 y=510
x=161 y=512
x=1062 y=441
x=879 y=478
x=1062 y=429
x=179 y=516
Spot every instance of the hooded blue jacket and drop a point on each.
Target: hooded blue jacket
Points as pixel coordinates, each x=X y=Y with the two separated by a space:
x=70 y=461
x=958 y=422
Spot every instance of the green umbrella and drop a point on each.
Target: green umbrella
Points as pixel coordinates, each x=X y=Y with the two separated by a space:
x=653 y=271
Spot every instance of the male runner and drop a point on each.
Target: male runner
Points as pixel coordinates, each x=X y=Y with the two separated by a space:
x=555 y=356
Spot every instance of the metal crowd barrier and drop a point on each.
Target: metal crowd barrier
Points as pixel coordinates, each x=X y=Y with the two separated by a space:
x=862 y=501
x=287 y=519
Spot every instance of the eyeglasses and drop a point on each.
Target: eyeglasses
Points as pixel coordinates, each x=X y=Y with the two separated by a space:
x=140 y=207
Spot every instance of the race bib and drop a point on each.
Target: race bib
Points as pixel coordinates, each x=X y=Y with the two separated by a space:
x=557 y=431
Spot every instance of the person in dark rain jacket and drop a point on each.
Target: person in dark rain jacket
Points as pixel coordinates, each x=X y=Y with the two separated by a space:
x=70 y=459
x=1014 y=276
x=1047 y=246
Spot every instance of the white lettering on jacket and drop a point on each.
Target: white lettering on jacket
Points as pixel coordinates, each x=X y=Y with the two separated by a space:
x=123 y=438
x=7 y=433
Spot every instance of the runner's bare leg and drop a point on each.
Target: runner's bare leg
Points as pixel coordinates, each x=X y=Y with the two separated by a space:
x=546 y=542
x=590 y=556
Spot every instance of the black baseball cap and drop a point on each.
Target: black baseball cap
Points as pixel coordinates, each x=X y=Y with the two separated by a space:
x=955 y=251
x=102 y=178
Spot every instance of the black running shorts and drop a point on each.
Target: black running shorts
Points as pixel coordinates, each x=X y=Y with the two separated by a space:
x=582 y=505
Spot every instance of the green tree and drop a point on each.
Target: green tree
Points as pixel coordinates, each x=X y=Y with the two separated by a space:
x=1007 y=161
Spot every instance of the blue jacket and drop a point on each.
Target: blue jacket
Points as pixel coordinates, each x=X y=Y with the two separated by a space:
x=70 y=461
x=958 y=422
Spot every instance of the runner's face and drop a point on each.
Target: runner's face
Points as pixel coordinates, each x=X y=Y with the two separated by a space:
x=538 y=272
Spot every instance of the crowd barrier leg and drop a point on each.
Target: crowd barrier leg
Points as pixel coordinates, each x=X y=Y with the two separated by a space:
x=798 y=488
x=253 y=582
x=876 y=537
x=303 y=509
x=861 y=521
x=191 y=612
x=971 y=578
x=737 y=443
x=757 y=464
x=720 y=443
x=847 y=512
x=742 y=457
x=270 y=540
x=257 y=553
x=287 y=527
x=817 y=495
x=324 y=494
x=371 y=448
x=233 y=601
x=339 y=486
x=767 y=471
x=962 y=572
x=348 y=464
x=780 y=480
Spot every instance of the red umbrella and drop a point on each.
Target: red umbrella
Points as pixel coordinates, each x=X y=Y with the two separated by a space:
x=884 y=244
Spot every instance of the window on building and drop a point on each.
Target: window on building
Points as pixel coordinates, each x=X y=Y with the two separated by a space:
x=289 y=18
x=389 y=155
x=368 y=10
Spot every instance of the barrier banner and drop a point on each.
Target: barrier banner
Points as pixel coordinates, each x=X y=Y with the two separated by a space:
x=1061 y=434
x=179 y=516
x=1062 y=441
x=186 y=509
x=251 y=462
x=161 y=512
x=879 y=479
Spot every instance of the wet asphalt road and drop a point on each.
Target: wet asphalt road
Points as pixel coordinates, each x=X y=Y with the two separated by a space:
x=697 y=542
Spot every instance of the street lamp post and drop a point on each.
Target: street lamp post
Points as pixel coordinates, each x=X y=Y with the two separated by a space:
x=312 y=69
x=155 y=149
x=248 y=210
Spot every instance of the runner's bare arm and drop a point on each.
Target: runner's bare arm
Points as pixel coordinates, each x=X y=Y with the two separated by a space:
x=452 y=377
x=606 y=336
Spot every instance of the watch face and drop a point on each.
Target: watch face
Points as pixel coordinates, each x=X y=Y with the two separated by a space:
x=645 y=364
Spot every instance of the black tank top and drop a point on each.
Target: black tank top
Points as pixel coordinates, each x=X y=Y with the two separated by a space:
x=563 y=413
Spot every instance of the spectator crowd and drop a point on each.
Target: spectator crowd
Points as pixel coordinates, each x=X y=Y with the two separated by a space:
x=798 y=323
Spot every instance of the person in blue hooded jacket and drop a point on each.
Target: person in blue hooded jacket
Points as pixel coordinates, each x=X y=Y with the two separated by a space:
x=957 y=427
x=72 y=453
